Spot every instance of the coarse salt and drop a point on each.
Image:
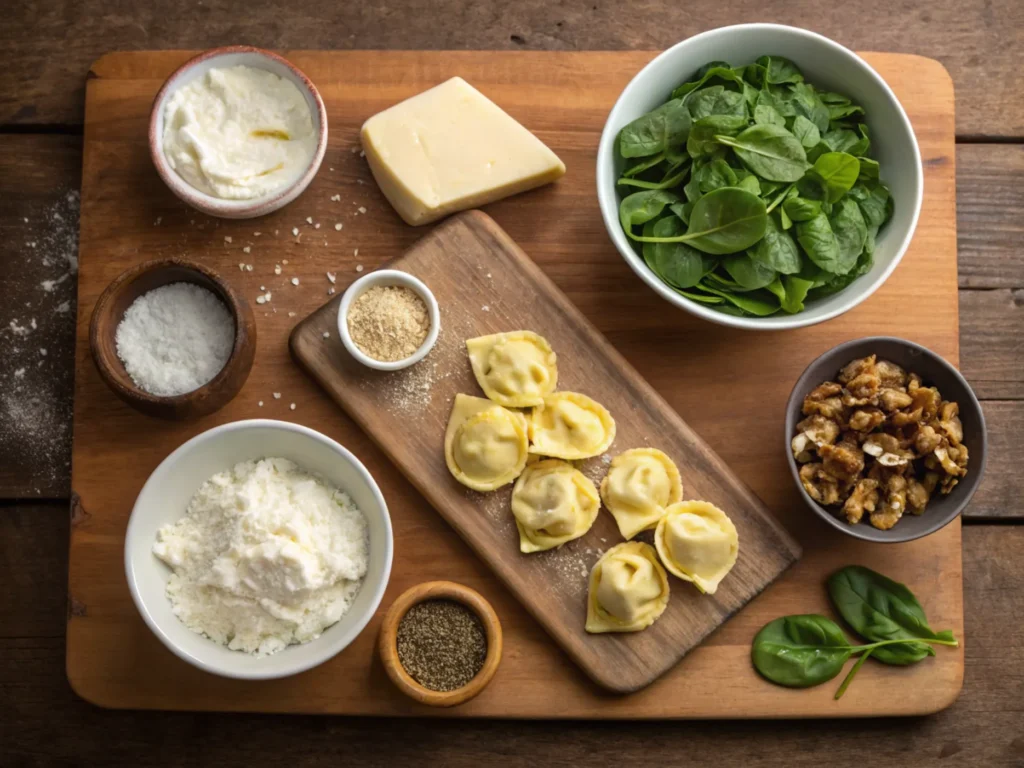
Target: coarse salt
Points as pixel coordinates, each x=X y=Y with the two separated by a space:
x=175 y=338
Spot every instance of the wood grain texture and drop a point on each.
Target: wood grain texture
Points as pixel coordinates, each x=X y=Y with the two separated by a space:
x=981 y=730
x=993 y=349
x=485 y=284
x=1000 y=493
x=50 y=46
x=990 y=201
x=39 y=174
x=113 y=659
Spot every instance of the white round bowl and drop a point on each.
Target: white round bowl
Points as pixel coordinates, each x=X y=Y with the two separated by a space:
x=389 y=277
x=164 y=498
x=232 y=56
x=826 y=65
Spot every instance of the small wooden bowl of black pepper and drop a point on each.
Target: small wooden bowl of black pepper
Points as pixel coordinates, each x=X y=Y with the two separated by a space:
x=440 y=643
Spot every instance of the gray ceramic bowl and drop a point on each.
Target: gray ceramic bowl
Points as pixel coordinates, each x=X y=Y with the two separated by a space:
x=934 y=371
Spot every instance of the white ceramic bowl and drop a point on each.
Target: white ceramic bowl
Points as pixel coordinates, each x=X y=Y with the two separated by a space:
x=165 y=497
x=231 y=56
x=826 y=65
x=388 y=277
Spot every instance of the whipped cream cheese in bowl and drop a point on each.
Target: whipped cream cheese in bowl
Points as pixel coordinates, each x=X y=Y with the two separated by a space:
x=238 y=132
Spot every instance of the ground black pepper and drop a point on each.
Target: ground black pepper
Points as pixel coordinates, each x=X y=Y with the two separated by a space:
x=441 y=644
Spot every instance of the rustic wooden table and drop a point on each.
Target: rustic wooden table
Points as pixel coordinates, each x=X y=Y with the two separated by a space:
x=47 y=49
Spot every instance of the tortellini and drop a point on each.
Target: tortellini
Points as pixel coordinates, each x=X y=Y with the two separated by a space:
x=485 y=445
x=553 y=502
x=698 y=543
x=516 y=369
x=570 y=426
x=628 y=589
x=639 y=485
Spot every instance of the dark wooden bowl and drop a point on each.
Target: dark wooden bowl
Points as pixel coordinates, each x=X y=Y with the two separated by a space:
x=387 y=643
x=110 y=309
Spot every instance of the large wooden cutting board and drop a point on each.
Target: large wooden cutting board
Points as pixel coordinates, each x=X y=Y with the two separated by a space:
x=484 y=284
x=728 y=385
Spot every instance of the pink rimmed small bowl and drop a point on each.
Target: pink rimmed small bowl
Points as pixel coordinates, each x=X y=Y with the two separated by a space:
x=231 y=56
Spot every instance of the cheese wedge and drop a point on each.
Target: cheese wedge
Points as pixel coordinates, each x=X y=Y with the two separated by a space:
x=452 y=148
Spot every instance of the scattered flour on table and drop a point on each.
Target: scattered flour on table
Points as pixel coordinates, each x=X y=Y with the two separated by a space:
x=266 y=556
x=35 y=406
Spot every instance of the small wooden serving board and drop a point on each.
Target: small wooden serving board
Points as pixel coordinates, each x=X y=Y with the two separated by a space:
x=484 y=284
x=729 y=385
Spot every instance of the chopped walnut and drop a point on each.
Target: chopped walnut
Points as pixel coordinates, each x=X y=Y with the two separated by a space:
x=863 y=498
x=865 y=419
x=879 y=443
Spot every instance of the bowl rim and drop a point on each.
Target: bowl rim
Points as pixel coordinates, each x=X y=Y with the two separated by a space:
x=221 y=207
x=608 y=197
x=329 y=651
x=389 y=277
x=865 y=532
x=244 y=337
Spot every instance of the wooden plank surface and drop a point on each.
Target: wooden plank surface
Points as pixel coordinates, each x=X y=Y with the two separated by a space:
x=485 y=284
x=981 y=730
x=112 y=657
x=990 y=212
x=49 y=47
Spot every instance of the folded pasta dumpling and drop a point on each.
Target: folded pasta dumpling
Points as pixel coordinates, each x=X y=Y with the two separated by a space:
x=639 y=485
x=485 y=445
x=515 y=369
x=553 y=502
x=698 y=543
x=628 y=589
x=568 y=425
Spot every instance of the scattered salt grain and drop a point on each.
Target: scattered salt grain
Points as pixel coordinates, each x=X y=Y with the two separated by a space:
x=227 y=238
x=355 y=252
x=277 y=395
x=247 y=249
x=309 y=219
x=241 y=266
x=248 y=267
x=330 y=291
x=295 y=281
x=158 y=220
x=485 y=308
x=292 y=406
x=19 y=373
x=327 y=334
x=284 y=261
x=317 y=225
x=260 y=403
x=277 y=269
x=362 y=209
x=295 y=231
x=331 y=277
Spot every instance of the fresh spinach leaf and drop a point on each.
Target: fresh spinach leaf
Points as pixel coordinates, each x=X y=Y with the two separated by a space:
x=796 y=289
x=765 y=111
x=677 y=264
x=749 y=183
x=702 y=133
x=879 y=608
x=778 y=70
x=806 y=132
x=801 y=209
x=770 y=151
x=758 y=303
x=873 y=202
x=819 y=242
x=800 y=651
x=713 y=70
x=805 y=102
x=643 y=164
x=851 y=233
x=727 y=220
x=664 y=127
x=640 y=207
x=747 y=272
x=716 y=100
x=839 y=111
x=837 y=172
x=716 y=174
x=868 y=169
x=666 y=183
x=776 y=250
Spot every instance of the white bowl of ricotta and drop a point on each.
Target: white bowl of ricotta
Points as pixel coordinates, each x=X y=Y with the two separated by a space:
x=268 y=586
x=238 y=132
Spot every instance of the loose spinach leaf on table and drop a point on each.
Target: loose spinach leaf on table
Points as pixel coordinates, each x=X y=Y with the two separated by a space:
x=800 y=651
x=649 y=134
x=878 y=608
x=770 y=151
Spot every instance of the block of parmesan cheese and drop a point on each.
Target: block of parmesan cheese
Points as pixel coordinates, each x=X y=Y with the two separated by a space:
x=452 y=148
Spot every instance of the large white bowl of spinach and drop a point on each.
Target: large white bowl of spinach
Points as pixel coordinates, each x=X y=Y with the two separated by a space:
x=760 y=176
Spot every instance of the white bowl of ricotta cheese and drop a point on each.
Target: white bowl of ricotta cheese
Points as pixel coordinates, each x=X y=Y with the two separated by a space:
x=238 y=132
x=258 y=549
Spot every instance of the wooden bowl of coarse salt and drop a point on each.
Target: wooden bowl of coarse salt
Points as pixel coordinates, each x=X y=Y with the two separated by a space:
x=172 y=339
x=440 y=643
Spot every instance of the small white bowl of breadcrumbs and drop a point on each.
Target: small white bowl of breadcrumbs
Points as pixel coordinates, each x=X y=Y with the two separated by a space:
x=388 y=320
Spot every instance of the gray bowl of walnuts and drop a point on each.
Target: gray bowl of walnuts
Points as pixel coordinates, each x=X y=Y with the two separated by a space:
x=885 y=439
